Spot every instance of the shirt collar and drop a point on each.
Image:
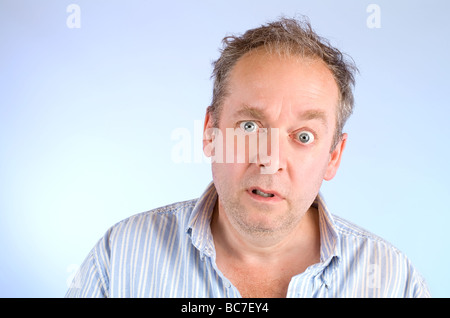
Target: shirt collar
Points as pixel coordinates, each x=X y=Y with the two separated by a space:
x=329 y=238
x=198 y=226
x=200 y=231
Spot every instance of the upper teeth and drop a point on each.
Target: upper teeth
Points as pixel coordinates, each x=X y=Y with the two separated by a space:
x=267 y=195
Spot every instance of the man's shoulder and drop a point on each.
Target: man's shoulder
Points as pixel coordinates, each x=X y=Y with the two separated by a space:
x=360 y=236
x=143 y=223
x=173 y=209
x=133 y=243
x=384 y=263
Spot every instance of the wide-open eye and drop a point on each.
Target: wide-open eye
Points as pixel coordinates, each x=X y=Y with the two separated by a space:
x=249 y=126
x=305 y=137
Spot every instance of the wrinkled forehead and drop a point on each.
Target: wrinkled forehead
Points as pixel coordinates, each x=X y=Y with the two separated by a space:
x=275 y=84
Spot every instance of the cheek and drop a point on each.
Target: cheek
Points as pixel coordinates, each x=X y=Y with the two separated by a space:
x=311 y=168
x=227 y=173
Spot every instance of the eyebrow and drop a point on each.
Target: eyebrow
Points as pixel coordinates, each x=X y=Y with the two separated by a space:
x=251 y=112
x=315 y=114
x=256 y=113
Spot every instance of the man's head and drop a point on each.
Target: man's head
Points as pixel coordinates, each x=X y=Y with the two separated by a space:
x=283 y=78
x=287 y=37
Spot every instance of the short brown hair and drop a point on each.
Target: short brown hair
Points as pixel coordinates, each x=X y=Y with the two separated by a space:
x=291 y=37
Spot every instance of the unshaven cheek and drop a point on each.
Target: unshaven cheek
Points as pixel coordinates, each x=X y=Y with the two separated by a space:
x=310 y=170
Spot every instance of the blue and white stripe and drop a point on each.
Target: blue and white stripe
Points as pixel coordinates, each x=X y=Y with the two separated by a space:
x=169 y=252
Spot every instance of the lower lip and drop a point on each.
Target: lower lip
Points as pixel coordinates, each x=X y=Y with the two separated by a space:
x=259 y=198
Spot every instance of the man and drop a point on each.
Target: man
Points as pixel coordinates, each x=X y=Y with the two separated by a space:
x=281 y=98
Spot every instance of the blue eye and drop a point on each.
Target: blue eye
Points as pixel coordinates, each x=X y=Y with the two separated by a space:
x=249 y=126
x=305 y=137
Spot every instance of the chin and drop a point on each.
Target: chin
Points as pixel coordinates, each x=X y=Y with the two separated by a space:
x=264 y=222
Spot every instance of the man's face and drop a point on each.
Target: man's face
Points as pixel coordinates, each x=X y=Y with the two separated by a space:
x=297 y=98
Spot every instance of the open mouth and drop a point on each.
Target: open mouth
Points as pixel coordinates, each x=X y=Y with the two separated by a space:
x=263 y=194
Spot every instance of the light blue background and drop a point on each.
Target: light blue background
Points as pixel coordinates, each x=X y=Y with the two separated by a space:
x=86 y=117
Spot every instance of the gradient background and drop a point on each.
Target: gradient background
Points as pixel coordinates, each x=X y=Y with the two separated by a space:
x=87 y=116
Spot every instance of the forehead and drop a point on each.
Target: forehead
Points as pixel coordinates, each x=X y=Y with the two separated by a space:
x=278 y=84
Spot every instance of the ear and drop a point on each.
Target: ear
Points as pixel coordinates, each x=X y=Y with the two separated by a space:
x=208 y=134
x=335 y=158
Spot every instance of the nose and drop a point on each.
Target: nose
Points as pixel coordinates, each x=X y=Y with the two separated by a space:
x=272 y=152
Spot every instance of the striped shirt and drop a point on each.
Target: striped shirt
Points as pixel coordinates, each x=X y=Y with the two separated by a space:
x=169 y=252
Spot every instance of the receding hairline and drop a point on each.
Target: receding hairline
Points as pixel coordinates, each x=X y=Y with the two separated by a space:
x=282 y=53
x=288 y=37
x=267 y=53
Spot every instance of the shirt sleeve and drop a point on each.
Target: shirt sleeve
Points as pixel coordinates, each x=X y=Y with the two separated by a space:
x=92 y=279
x=419 y=287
